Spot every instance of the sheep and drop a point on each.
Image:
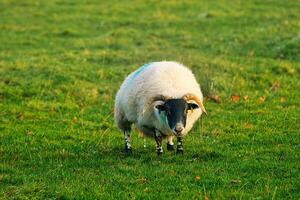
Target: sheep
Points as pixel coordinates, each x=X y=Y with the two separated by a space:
x=163 y=100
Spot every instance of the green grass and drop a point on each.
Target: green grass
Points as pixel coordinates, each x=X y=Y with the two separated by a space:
x=61 y=63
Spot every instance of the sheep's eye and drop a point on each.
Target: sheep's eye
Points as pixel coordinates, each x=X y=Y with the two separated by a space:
x=185 y=112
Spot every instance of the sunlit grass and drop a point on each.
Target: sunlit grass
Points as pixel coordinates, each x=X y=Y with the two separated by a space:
x=61 y=63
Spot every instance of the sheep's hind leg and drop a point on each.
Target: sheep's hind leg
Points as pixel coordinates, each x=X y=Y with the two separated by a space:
x=179 y=145
x=170 y=144
x=127 y=142
x=158 y=139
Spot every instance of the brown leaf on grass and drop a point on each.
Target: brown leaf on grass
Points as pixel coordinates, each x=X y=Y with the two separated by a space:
x=205 y=198
x=246 y=98
x=100 y=73
x=214 y=98
x=235 y=98
x=197 y=178
x=170 y=172
x=261 y=99
x=20 y=116
x=142 y=180
x=85 y=52
x=275 y=86
x=235 y=181
x=9 y=192
x=74 y=120
x=106 y=97
x=282 y=99
x=248 y=125
x=64 y=154
x=251 y=54
x=94 y=93
x=29 y=133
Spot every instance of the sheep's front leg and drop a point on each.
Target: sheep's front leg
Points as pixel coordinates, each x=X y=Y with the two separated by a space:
x=179 y=145
x=158 y=139
x=127 y=142
x=170 y=144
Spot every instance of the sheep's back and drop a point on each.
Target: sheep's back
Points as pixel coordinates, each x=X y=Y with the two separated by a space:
x=166 y=78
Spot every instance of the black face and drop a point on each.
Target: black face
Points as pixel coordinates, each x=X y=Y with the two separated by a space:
x=176 y=111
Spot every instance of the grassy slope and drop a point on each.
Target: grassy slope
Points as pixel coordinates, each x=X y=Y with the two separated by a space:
x=61 y=63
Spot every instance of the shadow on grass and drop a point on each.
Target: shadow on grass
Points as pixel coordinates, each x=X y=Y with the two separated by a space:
x=147 y=155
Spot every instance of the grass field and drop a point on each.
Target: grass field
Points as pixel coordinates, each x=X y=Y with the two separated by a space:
x=61 y=63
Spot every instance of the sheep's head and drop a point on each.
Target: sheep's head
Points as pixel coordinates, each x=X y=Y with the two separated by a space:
x=174 y=112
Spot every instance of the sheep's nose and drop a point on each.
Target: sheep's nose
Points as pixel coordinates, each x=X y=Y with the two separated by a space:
x=178 y=128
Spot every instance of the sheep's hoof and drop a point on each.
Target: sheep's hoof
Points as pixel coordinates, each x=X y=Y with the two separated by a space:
x=128 y=151
x=170 y=147
x=159 y=153
x=179 y=151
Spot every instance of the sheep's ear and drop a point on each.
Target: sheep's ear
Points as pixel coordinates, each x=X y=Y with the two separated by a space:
x=189 y=96
x=160 y=107
x=202 y=108
x=192 y=106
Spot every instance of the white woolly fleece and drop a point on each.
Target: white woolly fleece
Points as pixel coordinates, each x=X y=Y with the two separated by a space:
x=169 y=79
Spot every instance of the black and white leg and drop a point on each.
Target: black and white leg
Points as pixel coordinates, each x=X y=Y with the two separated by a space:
x=127 y=142
x=179 y=145
x=170 y=144
x=158 y=139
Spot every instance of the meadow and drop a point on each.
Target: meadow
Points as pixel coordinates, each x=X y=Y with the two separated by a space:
x=62 y=61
